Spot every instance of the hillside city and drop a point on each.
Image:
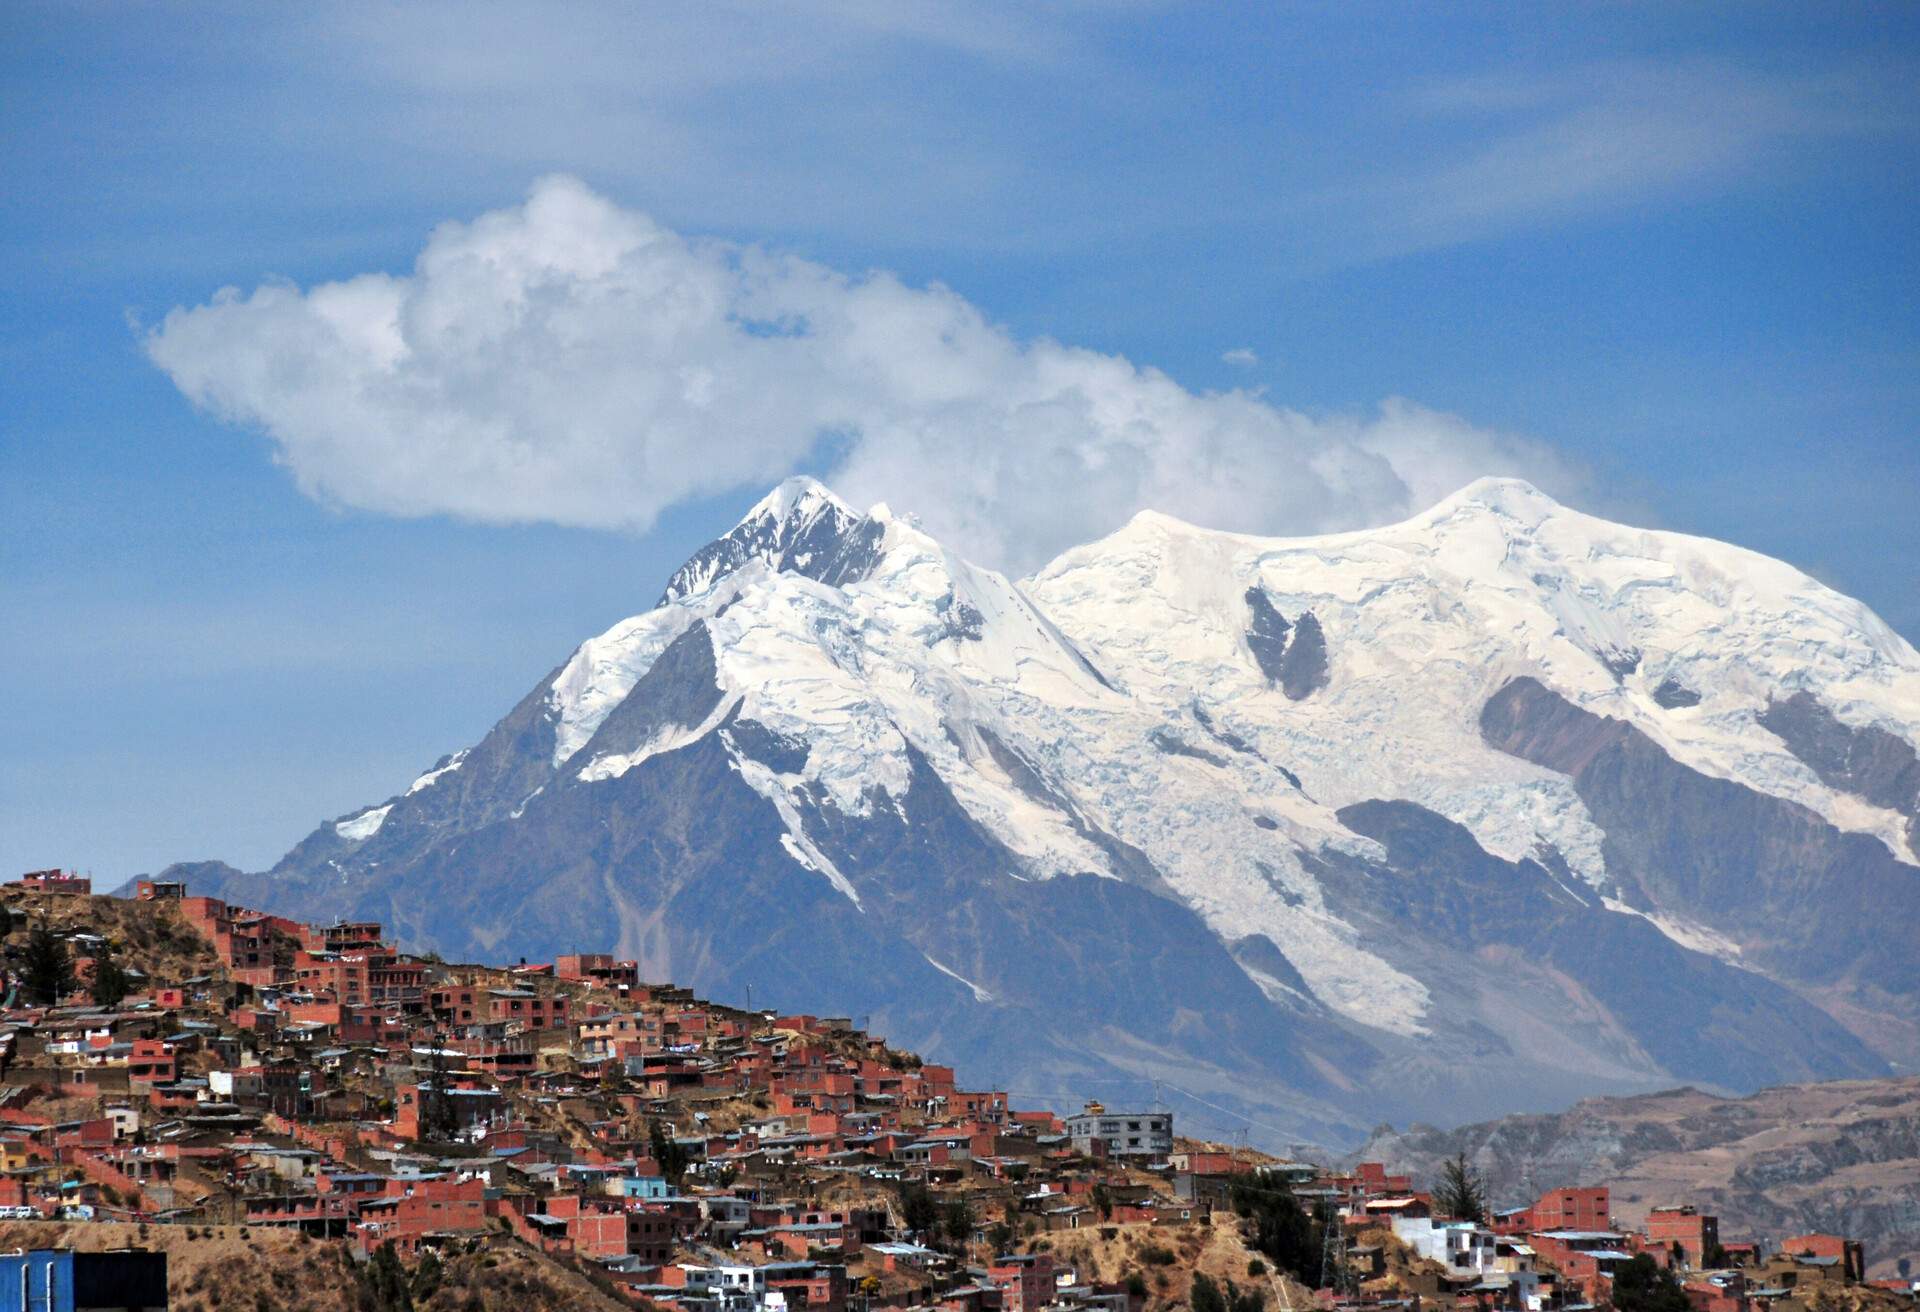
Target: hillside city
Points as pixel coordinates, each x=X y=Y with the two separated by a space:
x=206 y=1106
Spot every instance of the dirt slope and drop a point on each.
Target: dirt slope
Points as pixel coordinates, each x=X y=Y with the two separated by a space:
x=1841 y=1157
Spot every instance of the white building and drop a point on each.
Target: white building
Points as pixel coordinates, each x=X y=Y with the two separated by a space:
x=1460 y=1246
x=1470 y=1251
x=731 y=1289
x=1125 y=1134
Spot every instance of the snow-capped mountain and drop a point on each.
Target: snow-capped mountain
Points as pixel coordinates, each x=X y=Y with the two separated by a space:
x=1495 y=807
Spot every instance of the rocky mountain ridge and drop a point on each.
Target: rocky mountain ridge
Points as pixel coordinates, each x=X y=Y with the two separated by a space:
x=1497 y=807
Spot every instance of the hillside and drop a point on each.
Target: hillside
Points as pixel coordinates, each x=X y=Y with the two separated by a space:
x=259 y=1269
x=1839 y=1158
x=243 y=1119
x=146 y=936
x=592 y=1132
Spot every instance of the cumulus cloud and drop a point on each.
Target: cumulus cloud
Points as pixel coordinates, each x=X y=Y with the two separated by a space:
x=1241 y=357
x=572 y=361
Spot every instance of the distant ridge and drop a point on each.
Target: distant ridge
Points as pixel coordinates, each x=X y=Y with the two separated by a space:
x=1796 y=1159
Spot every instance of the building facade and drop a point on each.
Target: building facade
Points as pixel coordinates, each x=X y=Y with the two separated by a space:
x=1122 y=1134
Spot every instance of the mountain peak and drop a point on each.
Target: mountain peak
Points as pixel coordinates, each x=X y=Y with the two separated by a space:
x=1158 y=521
x=800 y=495
x=800 y=527
x=1514 y=498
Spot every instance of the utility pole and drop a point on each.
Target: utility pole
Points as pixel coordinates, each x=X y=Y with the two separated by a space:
x=1335 y=1275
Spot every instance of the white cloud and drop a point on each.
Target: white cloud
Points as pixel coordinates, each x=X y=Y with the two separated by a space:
x=571 y=361
x=1241 y=357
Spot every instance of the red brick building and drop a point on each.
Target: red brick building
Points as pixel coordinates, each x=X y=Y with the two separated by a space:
x=152 y=1062
x=1560 y=1209
x=413 y=1212
x=54 y=881
x=1585 y=1258
x=1682 y=1232
x=816 y=1288
x=468 y=1004
x=1025 y=1280
x=597 y=968
x=1849 y=1253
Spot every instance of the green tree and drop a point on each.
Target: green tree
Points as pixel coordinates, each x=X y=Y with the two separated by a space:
x=957 y=1221
x=1283 y=1232
x=383 y=1282
x=918 y=1208
x=672 y=1157
x=1642 y=1285
x=1000 y=1237
x=1210 y=1297
x=111 y=982
x=1103 y=1200
x=438 y=1119
x=1460 y=1193
x=46 y=972
x=427 y=1275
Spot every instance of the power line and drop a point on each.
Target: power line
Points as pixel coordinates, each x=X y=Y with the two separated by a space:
x=1237 y=1127
x=1285 y=1136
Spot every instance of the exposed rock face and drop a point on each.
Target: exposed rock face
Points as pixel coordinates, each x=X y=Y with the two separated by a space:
x=682 y=694
x=1433 y=846
x=1171 y=743
x=1267 y=634
x=1872 y=764
x=1693 y=1014
x=800 y=529
x=1829 y=912
x=1673 y=695
x=1305 y=667
x=1621 y=663
x=1841 y=1157
x=1292 y=656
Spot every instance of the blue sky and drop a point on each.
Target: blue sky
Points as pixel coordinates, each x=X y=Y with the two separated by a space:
x=1659 y=257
